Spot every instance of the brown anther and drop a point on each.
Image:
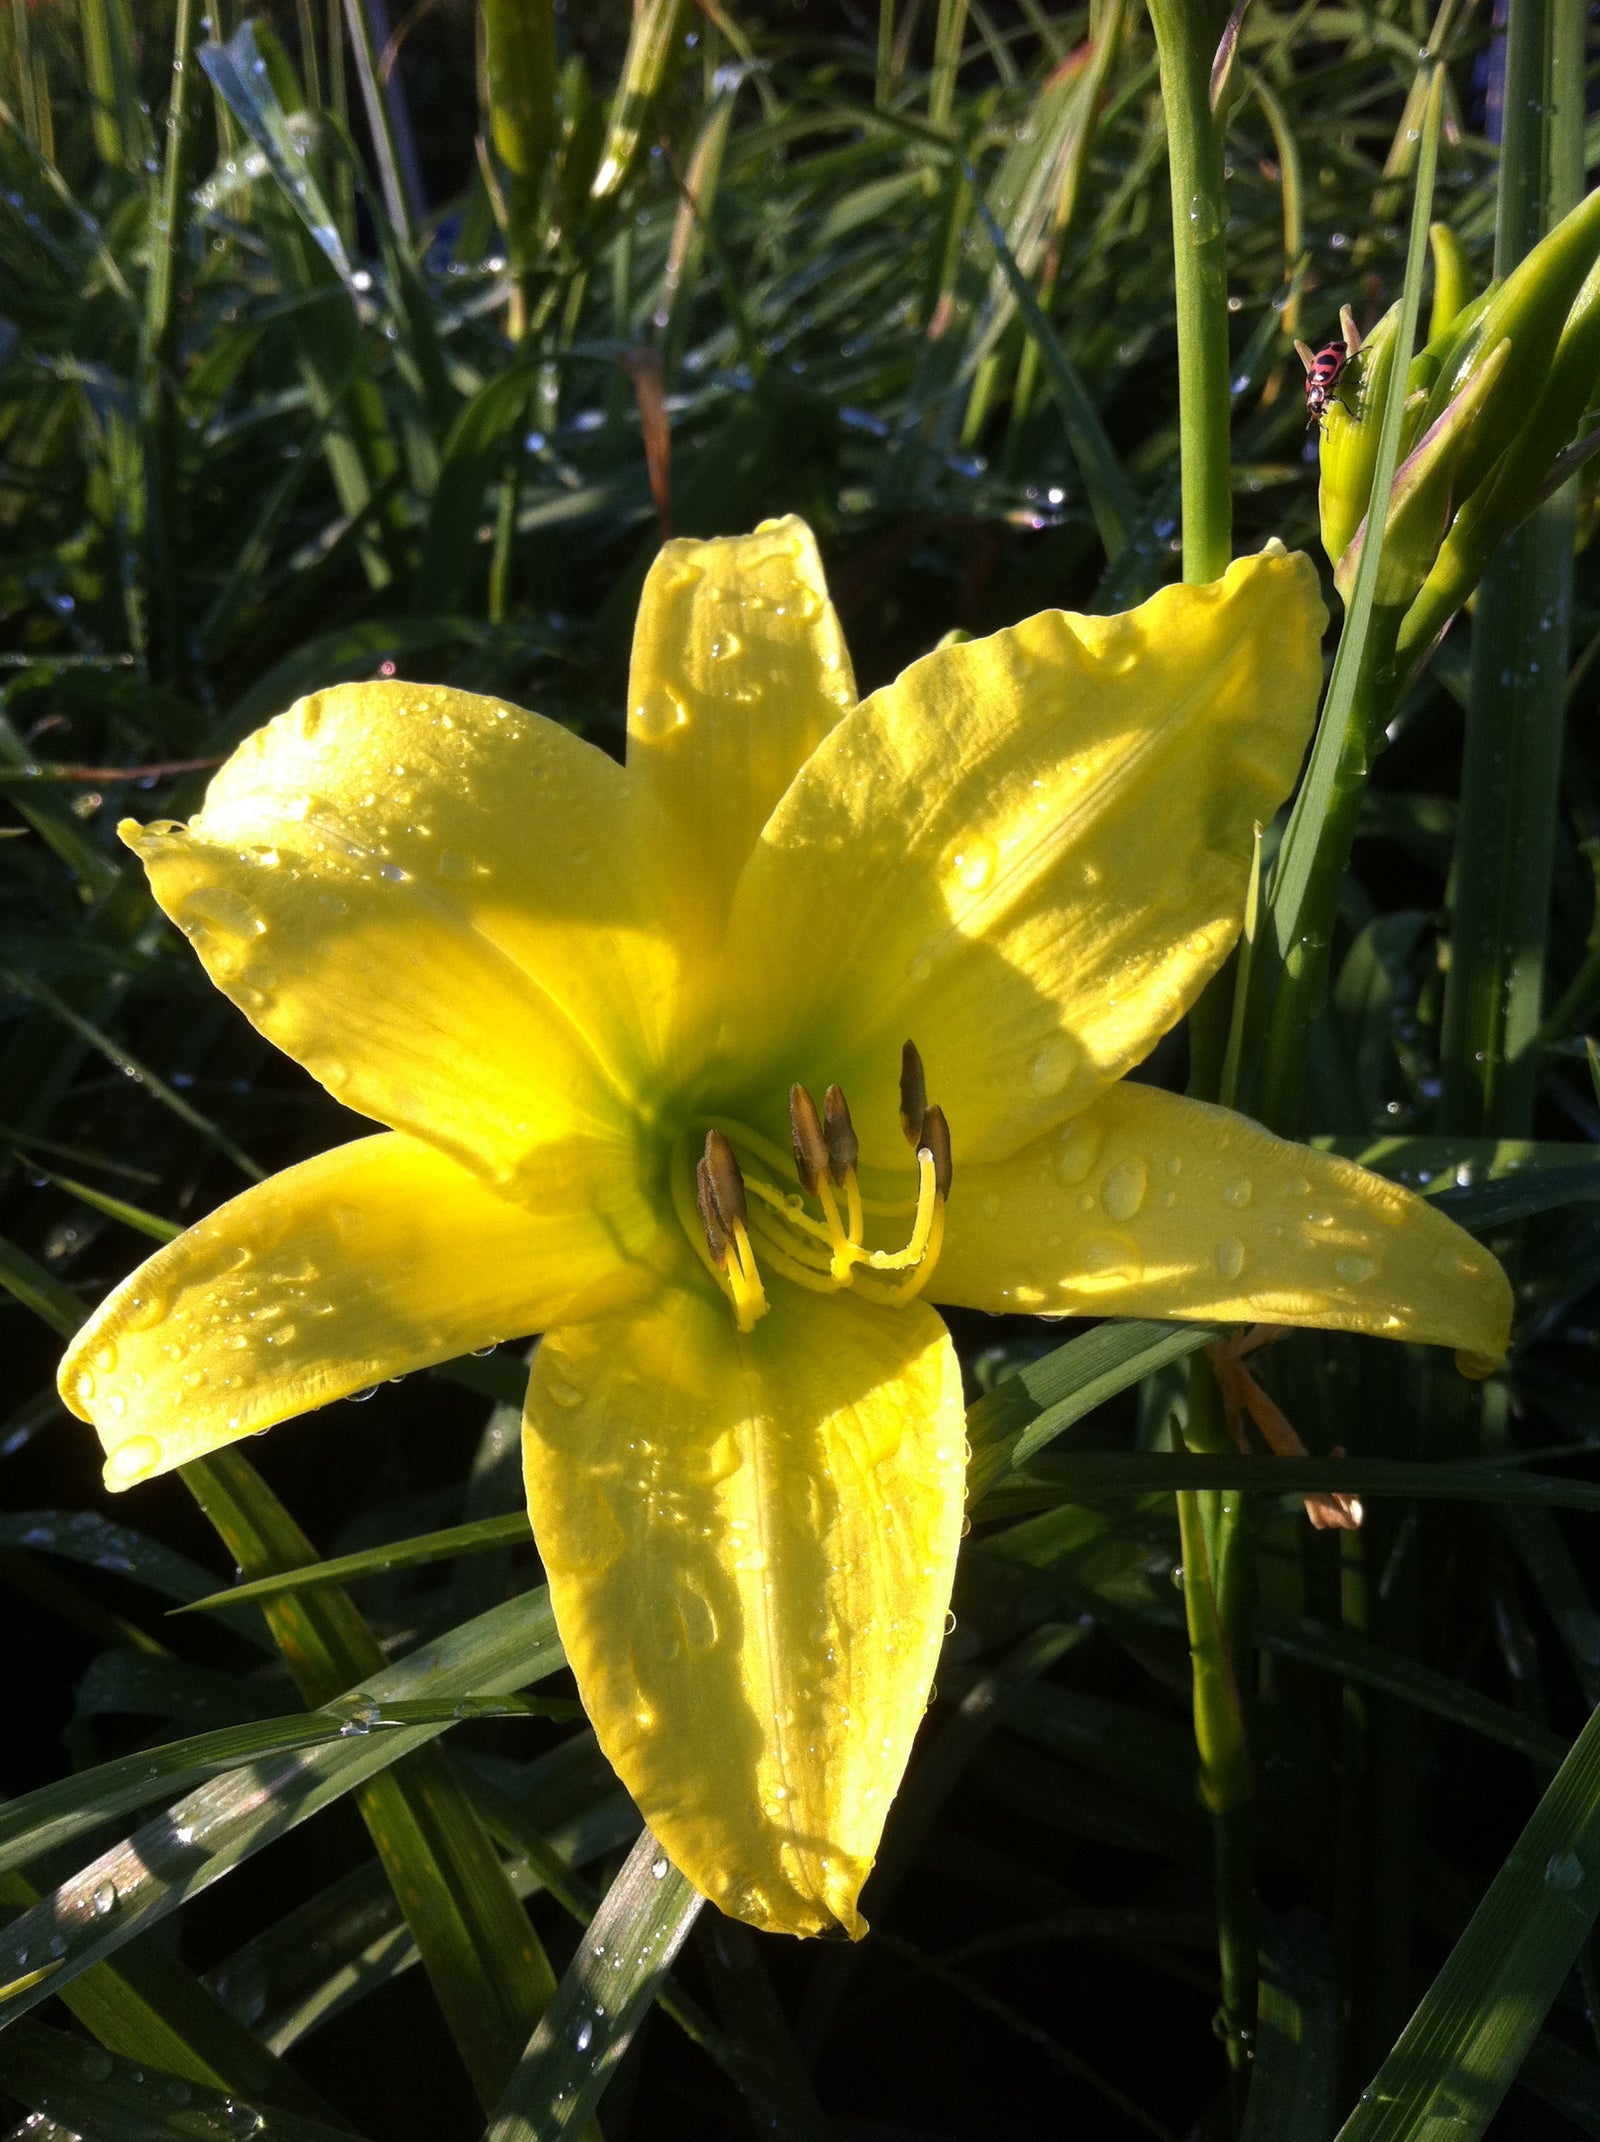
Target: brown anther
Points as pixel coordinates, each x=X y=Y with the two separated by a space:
x=844 y=1147
x=913 y=1094
x=717 y=1238
x=811 y=1161
x=935 y=1141
x=724 y=1181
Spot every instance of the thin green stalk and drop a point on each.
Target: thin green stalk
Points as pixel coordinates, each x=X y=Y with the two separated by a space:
x=166 y=604
x=946 y=60
x=380 y=120
x=883 y=85
x=1187 y=33
x=1500 y=900
x=1290 y=965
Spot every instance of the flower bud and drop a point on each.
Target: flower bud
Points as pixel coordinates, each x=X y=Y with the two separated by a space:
x=1350 y=430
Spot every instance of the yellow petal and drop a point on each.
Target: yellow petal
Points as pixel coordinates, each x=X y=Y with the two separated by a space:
x=750 y=1543
x=372 y=1259
x=430 y=901
x=1028 y=854
x=739 y=671
x=1151 y=1205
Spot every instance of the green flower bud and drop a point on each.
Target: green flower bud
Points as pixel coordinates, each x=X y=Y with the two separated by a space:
x=1452 y=278
x=1529 y=311
x=1423 y=492
x=1349 y=448
x=1518 y=481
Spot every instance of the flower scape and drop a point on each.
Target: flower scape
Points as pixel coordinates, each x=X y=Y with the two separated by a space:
x=717 y=1068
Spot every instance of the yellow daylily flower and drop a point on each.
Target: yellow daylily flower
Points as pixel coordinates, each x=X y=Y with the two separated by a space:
x=596 y=1005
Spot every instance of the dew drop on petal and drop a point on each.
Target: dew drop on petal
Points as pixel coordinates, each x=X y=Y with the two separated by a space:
x=991 y=1205
x=1079 y=1149
x=133 y=1459
x=1052 y=1067
x=1354 y=1268
x=1238 y=1193
x=1122 y=1192
x=1228 y=1256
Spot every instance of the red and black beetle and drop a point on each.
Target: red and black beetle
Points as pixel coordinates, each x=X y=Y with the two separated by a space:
x=1324 y=367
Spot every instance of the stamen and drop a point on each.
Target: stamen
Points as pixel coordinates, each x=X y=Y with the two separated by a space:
x=913 y=1094
x=936 y=1140
x=844 y=1147
x=718 y=1240
x=810 y=1146
x=720 y=1190
x=916 y=1249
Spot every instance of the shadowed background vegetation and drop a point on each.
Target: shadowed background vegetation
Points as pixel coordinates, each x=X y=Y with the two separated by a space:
x=350 y=345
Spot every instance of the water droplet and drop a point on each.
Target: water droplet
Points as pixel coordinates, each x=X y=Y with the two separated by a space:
x=660 y=716
x=563 y=1394
x=454 y=864
x=1122 y=1192
x=1079 y=1149
x=104 y=1899
x=1355 y=1268
x=991 y=1205
x=725 y=645
x=1451 y=1263
x=1228 y=1256
x=84 y=1385
x=1564 y=1871
x=220 y=907
x=1051 y=1070
x=658 y=1867
x=972 y=864
x=1238 y=1193
x=583 y=2034
x=134 y=1459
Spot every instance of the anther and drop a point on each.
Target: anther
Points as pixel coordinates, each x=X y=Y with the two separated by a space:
x=844 y=1147
x=717 y=1238
x=913 y=1094
x=811 y=1161
x=935 y=1141
x=724 y=1181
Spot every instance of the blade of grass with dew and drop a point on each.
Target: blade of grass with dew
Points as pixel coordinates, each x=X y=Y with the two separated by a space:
x=482 y=1956
x=93 y=2092
x=203 y=1836
x=1458 y=2055
x=474 y=1538
x=602 y=1999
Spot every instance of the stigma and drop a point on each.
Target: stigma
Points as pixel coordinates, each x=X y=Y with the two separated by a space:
x=818 y=1239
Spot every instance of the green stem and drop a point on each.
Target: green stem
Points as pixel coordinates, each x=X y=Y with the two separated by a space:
x=1187 y=32
x=1489 y=1053
x=166 y=608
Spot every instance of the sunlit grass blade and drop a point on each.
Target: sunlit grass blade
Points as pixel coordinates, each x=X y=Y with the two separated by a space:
x=93 y=2092
x=1296 y=2072
x=484 y=1533
x=1090 y=1476
x=207 y=1833
x=627 y=1951
x=240 y=75
x=1046 y=1397
x=1459 y=2053
x=482 y=1956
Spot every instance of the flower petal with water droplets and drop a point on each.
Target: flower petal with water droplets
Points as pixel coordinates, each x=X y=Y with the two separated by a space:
x=1151 y=1205
x=370 y=1260
x=750 y=1541
x=1029 y=852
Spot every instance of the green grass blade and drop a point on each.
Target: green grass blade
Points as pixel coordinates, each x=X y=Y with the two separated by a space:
x=480 y=1950
x=632 y=1939
x=1460 y=2052
x=441 y=1546
x=93 y=2092
x=207 y=1833
x=1028 y=1410
x=239 y=73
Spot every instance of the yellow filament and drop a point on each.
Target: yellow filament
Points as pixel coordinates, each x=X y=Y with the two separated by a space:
x=793 y=1265
x=927 y=1204
x=788 y=1206
x=774 y=1242
x=744 y=1280
x=910 y=1288
x=846 y=1249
